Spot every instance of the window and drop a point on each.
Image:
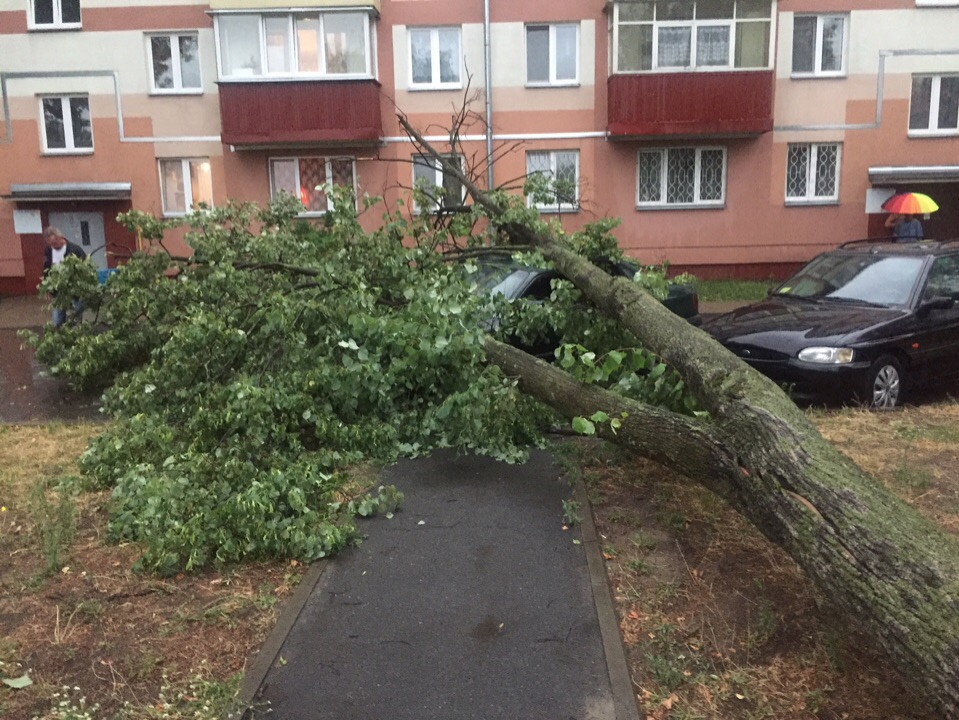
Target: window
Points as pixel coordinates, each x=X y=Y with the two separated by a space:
x=683 y=176
x=307 y=177
x=552 y=54
x=55 y=14
x=812 y=172
x=184 y=184
x=934 y=108
x=691 y=35
x=441 y=189
x=317 y=44
x=552 y=180
x=67 y=127
x=943 y=278
x=435 y=57
x=819 y=45
x=175 y=62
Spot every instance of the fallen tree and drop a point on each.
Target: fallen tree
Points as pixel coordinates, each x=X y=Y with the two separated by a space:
x=892 y=571
x=247 y=378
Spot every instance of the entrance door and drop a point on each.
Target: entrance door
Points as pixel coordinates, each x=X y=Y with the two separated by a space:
x=86 y=230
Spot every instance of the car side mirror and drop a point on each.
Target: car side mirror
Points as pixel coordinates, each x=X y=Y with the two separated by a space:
x=936 y=302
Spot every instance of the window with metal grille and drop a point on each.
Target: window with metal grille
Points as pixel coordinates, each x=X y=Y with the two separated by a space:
x=934 y=106
x=690 y=35
x=552 y=180
x=819 y=45
x=812 y=172
x=307 y=179
x=687 y=176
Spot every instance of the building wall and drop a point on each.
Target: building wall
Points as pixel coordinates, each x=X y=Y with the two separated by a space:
x=106 y=60
x=755 y=232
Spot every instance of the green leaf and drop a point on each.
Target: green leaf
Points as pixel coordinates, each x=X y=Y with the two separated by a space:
x=18 y=683
x=583 y=426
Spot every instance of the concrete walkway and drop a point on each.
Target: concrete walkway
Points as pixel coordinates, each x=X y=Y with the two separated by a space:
x=471 y=603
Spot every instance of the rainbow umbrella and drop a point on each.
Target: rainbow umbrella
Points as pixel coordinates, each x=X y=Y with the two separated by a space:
x=910 y=203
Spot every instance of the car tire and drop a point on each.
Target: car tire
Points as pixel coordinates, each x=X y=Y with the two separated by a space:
x=883 y=389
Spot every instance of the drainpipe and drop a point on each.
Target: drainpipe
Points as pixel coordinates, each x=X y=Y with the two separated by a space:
x=489 y=95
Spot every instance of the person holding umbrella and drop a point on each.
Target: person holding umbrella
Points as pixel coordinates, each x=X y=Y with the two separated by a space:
x=904 y=207
x=905 y=228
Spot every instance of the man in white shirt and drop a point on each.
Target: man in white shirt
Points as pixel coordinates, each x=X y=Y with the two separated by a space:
x=58 y=247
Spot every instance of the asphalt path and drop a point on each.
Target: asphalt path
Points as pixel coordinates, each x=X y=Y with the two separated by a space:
x=472 y=602
x=28 y=394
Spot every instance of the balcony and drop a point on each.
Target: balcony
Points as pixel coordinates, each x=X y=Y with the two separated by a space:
x=690 y=104
x=263 y=113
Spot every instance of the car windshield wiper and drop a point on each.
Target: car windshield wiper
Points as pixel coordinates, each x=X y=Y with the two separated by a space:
x=804 y=298
x=853 y=301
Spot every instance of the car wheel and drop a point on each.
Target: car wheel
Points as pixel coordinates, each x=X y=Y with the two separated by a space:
x=884 y=384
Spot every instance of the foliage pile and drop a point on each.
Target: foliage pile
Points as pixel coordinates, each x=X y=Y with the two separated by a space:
x=245 y=378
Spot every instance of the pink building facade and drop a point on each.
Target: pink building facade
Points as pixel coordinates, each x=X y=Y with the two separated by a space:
x=733 y=138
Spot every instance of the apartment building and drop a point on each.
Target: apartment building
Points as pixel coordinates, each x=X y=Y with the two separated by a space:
x=732 y=137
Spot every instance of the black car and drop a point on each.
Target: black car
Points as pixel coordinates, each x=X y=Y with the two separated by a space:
x=500 y=273
x=866 y=321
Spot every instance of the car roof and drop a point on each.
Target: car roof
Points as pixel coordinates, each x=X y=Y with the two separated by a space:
x=888 y=246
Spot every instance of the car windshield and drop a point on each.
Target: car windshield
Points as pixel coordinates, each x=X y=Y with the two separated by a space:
x=870 y=279
x=500 y=276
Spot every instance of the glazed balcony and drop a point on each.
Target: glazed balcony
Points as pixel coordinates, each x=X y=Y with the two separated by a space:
x=263 y=113
x=690 y=104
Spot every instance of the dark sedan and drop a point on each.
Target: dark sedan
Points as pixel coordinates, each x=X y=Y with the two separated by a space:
x=866 y=321
x=502 y=274
x=499 y=273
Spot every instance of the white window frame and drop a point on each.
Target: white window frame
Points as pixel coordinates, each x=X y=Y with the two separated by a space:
x=810 y=198
x=552 y=208
x=328 y=169
x=435 y=71
x=70 y=148
x=694 y=25
x=817 y=71
x=57 y=23
x=174 y=39
x=369 y=36
x=439 y=177
x=932 y=129
x=698 y=202
x=187 y=184
x=553 y=81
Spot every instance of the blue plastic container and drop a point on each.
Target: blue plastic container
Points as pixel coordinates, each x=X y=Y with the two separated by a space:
x=102 y=275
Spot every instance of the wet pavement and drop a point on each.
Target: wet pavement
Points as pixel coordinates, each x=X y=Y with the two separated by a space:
x=473 y=601
x=27 y=393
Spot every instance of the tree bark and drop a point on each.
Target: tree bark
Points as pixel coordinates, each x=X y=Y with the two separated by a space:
x=892 y=571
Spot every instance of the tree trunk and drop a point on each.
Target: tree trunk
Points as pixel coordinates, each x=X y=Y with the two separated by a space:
x=895 y=573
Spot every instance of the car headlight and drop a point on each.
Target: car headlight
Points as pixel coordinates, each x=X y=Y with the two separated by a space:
x=827 y=355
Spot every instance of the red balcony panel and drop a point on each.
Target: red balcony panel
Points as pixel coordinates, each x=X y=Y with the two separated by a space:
x=277 y=113
x=690 y=104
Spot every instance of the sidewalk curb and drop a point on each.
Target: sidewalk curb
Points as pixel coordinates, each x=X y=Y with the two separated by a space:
x=621 y=683
x=254 y=677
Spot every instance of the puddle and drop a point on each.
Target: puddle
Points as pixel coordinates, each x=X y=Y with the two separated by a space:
x=27 y=395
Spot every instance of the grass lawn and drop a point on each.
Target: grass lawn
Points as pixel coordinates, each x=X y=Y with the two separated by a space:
x=734 y=290
x=717 y=622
